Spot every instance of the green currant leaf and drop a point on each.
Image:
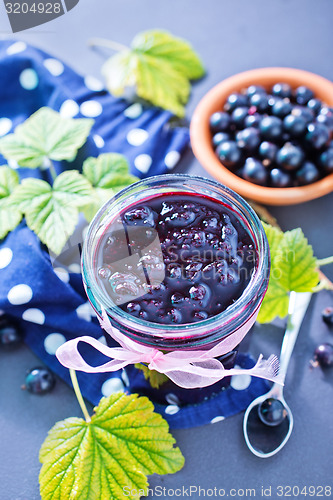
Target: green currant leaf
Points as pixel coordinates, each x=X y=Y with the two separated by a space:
x=171 y=49
x=297 y=263
x=124 y=441
x=52 y=212
x=155 y=378
x=10 y=214
x=109 y=173
x=293 y=268
x=46 y=134
x=275 y=303
x=159 y=67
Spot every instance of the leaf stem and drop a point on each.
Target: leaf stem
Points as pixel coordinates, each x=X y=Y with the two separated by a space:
x=324 y=262
x=50 y=165
x=324 y=283
x=78 y=395
x=109 y=44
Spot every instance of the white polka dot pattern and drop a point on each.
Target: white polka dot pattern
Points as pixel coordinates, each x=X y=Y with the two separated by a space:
x=171 y=409
x=171 y=159
x=13 y=164
x=85 y=311
x=34 y=316
x=112 y=385
x=16 y=48
x=217 y=419
x=5 y=126
x=74 y=268
x=137 y=136
x=6 y=256
x=133 y=111
x=99 y=141
x=240 y=382
x=93 y=83
x=53 y=341
x=62 y=274
x=55 y=67
x=20 y=294
x=29 y=79
x=69 y=108
x=91 y=109
x=143 y=163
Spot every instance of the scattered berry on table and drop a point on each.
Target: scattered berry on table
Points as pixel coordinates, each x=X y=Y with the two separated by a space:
x=39 y=380
x=9 y=332
x=324 y=355
x=327 y=315
x=272 y=412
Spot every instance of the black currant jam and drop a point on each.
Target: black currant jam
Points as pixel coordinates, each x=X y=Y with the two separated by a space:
x=175 y=258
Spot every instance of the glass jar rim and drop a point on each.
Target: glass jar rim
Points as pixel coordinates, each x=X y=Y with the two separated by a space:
x=137 y=328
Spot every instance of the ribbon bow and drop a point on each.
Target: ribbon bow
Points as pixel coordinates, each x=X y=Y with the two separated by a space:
x=187 y=369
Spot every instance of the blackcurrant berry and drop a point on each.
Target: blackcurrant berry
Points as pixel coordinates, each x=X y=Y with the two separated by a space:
x=219 y=122
x=282 y=90
x=303 y=94
x=255 y=89
x=271 y=127
x=9 y=331
x=254 y=171
x=327 y=120
x=281 y=108
x=304 y=112
x=272 y=412
x=290 y=156
x=248 y=139
x=294 y=125
x=327 y=315
x=235 y=101
x=39 y=380
x=229 y=153
x=219 y=138
x=307 y=174
x=268 y=150
x=252 y=120
x=315 y=105
x=326 y=160
x=260 y=101
x=238 y=116
x=324 y=355
x=279 y=178
x=317 y=135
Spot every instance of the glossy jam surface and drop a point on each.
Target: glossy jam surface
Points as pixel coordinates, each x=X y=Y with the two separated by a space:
x=175 y=258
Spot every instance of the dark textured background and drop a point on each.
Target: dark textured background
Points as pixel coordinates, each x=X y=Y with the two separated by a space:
x=231 y=36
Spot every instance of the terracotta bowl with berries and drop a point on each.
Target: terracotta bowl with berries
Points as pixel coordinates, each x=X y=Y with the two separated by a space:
x=268 y=134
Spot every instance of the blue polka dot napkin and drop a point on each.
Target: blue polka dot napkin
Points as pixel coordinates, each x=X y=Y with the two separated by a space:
x=49 y=302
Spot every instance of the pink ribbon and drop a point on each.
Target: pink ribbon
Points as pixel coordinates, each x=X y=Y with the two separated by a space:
x=187 y=369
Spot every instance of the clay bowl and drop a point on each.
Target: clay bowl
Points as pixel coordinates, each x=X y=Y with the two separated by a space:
x=214 y=100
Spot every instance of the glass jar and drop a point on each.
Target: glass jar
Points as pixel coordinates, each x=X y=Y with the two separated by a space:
x=169 y=337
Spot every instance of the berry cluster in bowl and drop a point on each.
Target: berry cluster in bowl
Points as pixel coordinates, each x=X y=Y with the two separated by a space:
x=281 y=137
